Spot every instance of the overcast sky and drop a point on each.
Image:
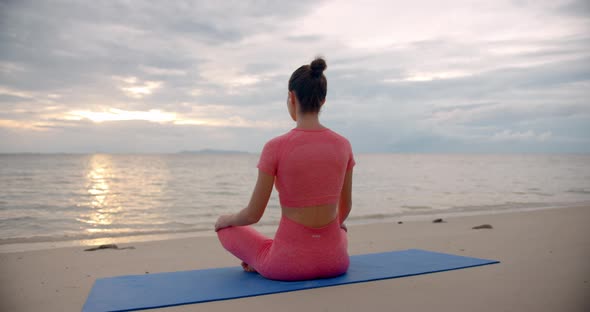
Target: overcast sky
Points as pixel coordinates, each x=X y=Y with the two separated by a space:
x=403 y=76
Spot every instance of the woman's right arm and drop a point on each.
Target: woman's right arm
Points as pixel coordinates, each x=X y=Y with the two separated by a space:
x=345 y=203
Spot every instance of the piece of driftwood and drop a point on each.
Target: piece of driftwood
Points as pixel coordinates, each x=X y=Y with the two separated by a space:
x=108 y=246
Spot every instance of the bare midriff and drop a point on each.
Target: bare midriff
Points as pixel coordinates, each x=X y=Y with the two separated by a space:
x=313 y=216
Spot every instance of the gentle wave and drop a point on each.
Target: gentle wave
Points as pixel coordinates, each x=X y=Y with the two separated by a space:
x=89 y=236
x=208 y=226
x=463 y=210
x=579 y=191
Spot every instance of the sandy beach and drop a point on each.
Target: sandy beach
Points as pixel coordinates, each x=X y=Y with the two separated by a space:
x=543 y=253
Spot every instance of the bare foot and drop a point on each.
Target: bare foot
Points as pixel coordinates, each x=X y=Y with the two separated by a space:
x=247 y=268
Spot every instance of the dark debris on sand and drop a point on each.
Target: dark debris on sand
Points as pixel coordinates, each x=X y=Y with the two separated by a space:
x=483 y=226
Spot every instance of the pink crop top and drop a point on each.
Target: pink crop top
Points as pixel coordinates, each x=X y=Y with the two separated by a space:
x=309 y=166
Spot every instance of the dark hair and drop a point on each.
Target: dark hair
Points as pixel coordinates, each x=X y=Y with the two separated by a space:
x=310 y=85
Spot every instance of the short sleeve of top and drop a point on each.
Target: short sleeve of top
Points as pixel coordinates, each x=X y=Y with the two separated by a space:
x=351 y=161
x=269 y=158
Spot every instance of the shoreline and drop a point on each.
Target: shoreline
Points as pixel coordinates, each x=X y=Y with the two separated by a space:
x=44 y=243
x=543 y=255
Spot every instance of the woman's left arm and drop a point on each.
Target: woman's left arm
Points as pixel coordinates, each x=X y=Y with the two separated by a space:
x=255 y=209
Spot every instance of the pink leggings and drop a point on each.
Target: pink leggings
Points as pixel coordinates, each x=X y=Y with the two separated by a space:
x=297 y=252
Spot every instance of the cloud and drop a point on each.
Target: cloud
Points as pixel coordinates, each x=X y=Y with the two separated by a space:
x=421 y=76
x=577 y=8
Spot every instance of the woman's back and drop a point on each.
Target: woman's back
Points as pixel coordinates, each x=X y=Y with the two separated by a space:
x=314 y=216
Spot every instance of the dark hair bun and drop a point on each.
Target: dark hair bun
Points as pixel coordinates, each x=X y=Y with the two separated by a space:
x=318 y=66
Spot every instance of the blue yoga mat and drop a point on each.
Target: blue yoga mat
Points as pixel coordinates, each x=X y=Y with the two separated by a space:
x=136 y=292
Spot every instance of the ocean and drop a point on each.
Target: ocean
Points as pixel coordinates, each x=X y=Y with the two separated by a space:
x=59 y=200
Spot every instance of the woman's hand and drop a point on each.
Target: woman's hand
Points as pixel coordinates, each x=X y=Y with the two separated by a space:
x=223 y=222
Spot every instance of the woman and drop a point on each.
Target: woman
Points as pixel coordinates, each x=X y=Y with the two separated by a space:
x=311 y=167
